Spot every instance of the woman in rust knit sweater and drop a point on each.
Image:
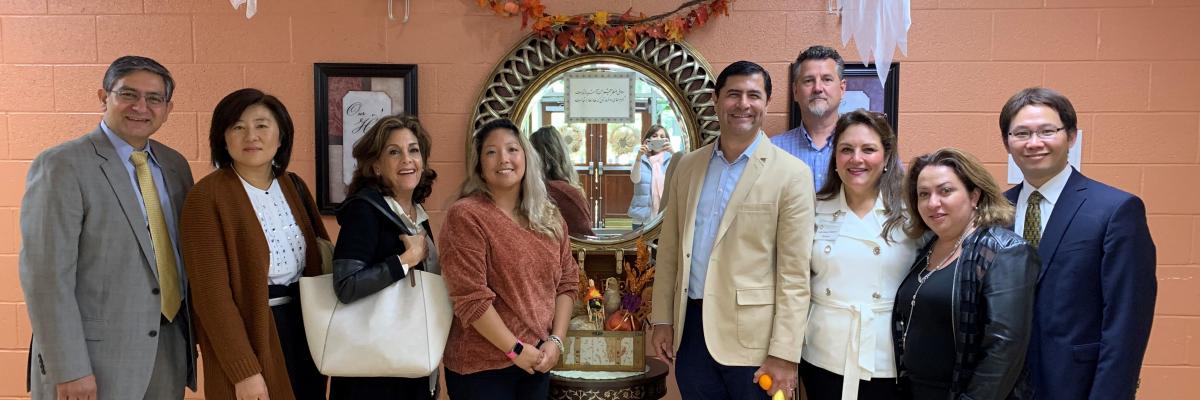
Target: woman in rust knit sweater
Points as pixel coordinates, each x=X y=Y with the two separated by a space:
x=507 y=262
x=562 y=182
x=249 y=232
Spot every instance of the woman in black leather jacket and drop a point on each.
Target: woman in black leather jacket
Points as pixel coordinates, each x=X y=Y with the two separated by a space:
x=962 y=318
x=377 y=246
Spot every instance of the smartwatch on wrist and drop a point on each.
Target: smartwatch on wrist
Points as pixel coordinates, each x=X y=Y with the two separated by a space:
x=516 y=350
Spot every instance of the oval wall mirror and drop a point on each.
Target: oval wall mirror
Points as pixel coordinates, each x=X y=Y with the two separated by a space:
x=603 y=104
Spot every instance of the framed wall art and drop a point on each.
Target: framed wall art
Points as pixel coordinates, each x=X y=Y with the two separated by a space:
x=349 y=99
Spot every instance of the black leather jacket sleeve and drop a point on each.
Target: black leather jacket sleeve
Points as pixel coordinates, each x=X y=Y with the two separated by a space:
x=1008 y=288
x=358 y=271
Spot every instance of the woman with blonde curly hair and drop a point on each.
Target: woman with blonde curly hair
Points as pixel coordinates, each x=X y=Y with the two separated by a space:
x=506 y=257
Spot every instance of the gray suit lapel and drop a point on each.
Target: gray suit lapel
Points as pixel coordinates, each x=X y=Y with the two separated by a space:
x=170 y=172
x=118 y=178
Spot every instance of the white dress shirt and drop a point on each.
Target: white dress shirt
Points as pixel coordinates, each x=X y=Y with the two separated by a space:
x=855 y=274
x=284 y=237
x=1050 y=191
x=431 y=263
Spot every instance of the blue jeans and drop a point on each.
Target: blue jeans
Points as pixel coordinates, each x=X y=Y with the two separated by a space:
x=700 y=376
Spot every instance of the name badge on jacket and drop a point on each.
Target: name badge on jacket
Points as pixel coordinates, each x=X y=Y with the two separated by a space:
x=829 y=226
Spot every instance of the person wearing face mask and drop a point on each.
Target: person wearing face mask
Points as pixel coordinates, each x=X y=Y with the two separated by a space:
x=963 y=313
x=649 y=174
x=249 y=234
x=860 y=255
x=509 y=270
x=384 y=234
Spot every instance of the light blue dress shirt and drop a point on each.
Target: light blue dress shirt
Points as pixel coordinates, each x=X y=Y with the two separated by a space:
x=797 y=142
x=124 y=150
x=719 y=182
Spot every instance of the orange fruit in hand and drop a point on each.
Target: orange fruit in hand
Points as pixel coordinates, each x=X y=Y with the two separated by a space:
x=764 y=382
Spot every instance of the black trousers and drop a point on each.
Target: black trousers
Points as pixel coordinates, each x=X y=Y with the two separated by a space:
x=307 y=382
x=821 y=384
x=511 y=383
x=700 y=376
x=345 y=388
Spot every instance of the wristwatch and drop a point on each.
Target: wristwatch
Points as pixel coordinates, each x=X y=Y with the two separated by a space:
x=516 y=350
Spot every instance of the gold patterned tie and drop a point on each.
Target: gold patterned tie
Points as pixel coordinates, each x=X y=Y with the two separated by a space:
x=1033 y=219
x=164 y=256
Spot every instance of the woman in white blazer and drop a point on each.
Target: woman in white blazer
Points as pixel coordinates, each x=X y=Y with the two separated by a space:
x=860 y=255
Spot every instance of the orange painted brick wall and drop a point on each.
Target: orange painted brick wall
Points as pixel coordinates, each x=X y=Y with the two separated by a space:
x=1132 y=68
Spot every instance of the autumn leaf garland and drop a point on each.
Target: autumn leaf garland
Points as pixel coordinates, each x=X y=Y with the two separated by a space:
x=608 y=30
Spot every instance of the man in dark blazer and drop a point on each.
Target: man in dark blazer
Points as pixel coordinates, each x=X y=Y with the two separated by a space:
x=100 y=264
x=1096 y=291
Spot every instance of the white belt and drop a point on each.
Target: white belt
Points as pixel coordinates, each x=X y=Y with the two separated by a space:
x=279 y=301
x=851 y=371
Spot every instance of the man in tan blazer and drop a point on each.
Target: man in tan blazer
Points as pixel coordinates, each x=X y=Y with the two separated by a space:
x=731 y=293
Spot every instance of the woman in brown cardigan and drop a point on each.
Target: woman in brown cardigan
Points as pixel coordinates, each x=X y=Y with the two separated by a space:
x=248 y=233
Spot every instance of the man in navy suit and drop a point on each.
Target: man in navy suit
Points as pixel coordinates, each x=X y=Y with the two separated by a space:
x=1095 y=296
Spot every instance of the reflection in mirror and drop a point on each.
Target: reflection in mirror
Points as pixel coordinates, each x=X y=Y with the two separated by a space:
x=605 y=128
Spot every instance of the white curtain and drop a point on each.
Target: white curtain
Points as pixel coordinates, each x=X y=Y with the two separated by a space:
x=252 y=6
x=877 y=27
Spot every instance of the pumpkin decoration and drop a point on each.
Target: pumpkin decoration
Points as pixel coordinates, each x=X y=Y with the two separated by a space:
x=622 y=320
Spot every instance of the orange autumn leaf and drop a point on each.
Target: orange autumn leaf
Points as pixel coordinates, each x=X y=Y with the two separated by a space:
x=630 y=39
x=542 y=24
x=602 y=42
x=627 y=15
x=563 y=40
x=579 y=38
x=720 y=7
x=657 y=31
x=675 y=29
x=535 y=7
x=701 y=15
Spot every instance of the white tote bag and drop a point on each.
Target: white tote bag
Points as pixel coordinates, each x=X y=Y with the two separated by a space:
x=399 y=331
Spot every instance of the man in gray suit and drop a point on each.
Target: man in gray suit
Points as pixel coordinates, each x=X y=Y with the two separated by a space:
x=100 y=264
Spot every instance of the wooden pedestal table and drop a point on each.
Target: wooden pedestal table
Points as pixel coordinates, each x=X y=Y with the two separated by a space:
x=649 y=385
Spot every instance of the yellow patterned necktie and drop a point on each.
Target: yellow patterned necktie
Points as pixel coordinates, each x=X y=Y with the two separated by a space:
x=168 y=275
x=1033 y=219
